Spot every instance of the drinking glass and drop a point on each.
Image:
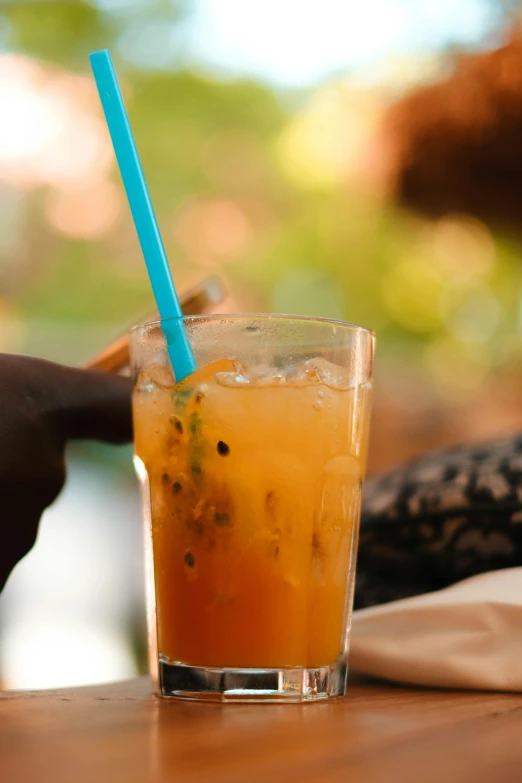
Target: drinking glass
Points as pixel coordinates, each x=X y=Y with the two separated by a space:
x=251 y=471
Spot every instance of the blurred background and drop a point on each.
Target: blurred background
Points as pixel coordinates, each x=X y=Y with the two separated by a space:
x=356 y=161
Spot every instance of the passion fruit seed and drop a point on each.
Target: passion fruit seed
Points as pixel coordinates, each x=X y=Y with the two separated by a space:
x=200 y=393
x=176 y=487
x=190 y=560
x=221 y=518
x=222 y=448
x=165 y=478
x=178 y=426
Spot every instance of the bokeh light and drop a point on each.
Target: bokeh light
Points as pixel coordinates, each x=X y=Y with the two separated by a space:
x=324 y=144
x=51 y=134
x=471 y=312
x=463 y=246
x=411 y=293
x=85 y=213
x=213 y=230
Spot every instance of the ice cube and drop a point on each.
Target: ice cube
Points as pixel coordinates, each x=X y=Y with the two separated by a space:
x=207 y=373
x=237 y=376
x=265 y=375
x=232 y=379
x=319 y=370
x=155 y=375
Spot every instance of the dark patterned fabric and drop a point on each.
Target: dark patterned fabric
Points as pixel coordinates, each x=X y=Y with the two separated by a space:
x=446 y=516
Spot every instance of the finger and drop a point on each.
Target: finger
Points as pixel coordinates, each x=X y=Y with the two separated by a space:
x=94 y=405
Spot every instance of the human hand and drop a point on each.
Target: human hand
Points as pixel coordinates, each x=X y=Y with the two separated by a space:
x=43 y=406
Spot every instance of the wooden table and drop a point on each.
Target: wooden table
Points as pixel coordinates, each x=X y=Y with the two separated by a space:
x=120 y=733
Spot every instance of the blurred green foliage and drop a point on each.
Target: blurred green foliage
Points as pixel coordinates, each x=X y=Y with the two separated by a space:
x=211 y=150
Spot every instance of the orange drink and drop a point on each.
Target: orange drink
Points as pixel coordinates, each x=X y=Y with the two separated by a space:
x=253 y=468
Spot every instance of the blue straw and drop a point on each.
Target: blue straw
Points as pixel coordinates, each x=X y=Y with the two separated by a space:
x=167 y=301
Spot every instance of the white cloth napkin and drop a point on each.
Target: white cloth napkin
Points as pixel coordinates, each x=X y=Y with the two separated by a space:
x=466 y=636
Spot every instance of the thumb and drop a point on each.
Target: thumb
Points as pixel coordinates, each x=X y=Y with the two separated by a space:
x=93 y=405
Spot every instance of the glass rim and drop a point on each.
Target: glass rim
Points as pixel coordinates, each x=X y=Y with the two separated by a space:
x=348 y=325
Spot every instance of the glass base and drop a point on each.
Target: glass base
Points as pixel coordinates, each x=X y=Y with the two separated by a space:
x=177 y=680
